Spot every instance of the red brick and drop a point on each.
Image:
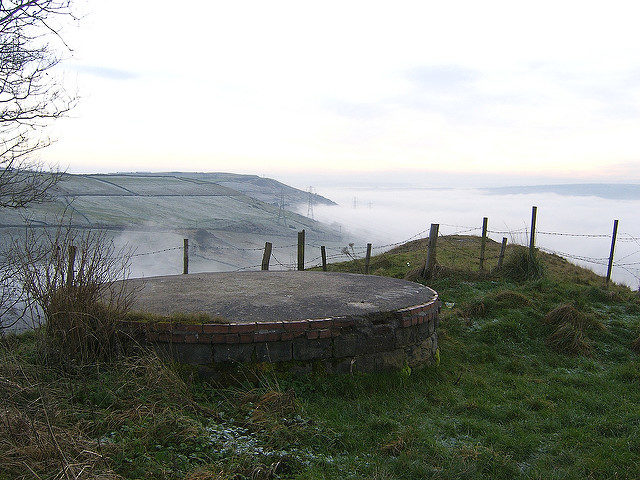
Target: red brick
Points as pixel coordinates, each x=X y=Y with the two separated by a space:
x=152 y=337
x=321 y=323
x=196 y=328
x=291 y=335
x=246 y=337
x=324 y=333
x=163 y=337
x=296 y=326
x=162 y=327
x=266 y=336
x=191 y=338
x=414 y=320
x=204 y=338
x=343 y=322
x=260 y=326
x=232 y=338
x=215 y=328
x=311 y=334
x=242 y=327
x=406 y=322
x=177 y=337
x=218 y=338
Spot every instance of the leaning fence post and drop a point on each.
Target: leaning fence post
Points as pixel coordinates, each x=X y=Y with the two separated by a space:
x=323 y=253
x=503 y=247
x=70 y=266
x=266 y=256
x=367 y=259
x=613 y=246
x=431 y=251
x=483 y=242
x=534 y=213
x=301 y=250
x=185 y=257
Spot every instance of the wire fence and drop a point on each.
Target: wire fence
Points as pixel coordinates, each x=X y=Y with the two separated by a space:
x=227 y=256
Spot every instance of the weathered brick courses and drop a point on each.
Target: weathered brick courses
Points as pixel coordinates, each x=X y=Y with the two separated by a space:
x=347 y=343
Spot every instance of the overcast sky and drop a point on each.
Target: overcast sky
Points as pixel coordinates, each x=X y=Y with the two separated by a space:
x=545 y=87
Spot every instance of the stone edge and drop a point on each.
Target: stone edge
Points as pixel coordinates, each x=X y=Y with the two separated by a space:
x=265 y=332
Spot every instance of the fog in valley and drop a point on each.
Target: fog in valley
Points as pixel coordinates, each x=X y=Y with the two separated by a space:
x=383 y=215
x=575 y=222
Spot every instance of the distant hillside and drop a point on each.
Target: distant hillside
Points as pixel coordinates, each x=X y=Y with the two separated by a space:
x=211 y=201
x=603 y=190
x=185 y=183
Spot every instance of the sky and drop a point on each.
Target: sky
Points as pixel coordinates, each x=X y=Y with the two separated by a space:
x=533 y=90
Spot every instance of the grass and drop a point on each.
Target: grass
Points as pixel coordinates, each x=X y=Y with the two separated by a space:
x=505 y=401
x=188 y=318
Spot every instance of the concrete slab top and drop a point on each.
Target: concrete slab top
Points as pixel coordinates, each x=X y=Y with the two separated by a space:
x=275 y=296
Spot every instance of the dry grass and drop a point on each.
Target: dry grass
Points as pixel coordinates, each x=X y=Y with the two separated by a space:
x=567 y=313
x=37 y=439
x=520 y=265
x=269 y=406
x=191 y=318
x=502 y=299
x=395 y=447
x=46 y=432
x=570 y=326
x=207 y=474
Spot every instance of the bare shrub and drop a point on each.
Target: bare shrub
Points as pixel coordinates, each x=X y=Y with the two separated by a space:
x=76 y=279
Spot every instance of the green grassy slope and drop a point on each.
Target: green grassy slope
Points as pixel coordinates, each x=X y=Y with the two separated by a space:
x=211 y=201
x=504 y=402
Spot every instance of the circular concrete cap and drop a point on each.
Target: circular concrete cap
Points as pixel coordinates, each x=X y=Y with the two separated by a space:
x=275 y=296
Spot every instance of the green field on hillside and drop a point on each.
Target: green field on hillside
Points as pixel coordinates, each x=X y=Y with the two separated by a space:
x=537 y=379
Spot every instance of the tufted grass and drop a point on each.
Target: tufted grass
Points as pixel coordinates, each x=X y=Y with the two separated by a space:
x=503 y=403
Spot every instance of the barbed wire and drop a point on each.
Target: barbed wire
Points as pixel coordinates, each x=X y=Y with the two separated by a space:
x=352 y=252
x=197 y=255
x=507 y=232
x=584 y=235
x=154 y=252
x=247 y=249
x=248 y=268
x=631 y=271
x=594 y=260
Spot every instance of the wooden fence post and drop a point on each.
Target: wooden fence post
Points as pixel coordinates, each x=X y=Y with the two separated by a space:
x=70 y=266
x=367 y=259
x=532 y=239
x=503 y=247
x=431 y=251
x=301 y=250
x=483 y=241
x=323 y=253
x=185 y=257
x=613 y=246
x=266 y=256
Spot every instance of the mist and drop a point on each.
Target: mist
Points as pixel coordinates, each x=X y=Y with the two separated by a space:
x=386 y=215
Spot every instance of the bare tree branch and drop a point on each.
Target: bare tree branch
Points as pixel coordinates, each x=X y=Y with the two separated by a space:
x=30 y=95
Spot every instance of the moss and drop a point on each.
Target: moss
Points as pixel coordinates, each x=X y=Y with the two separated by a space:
x=188 y=318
